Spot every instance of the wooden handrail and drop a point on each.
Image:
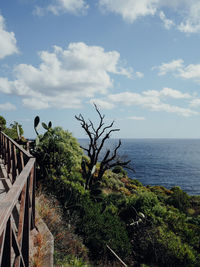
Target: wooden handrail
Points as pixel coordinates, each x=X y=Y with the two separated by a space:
x=17 y=209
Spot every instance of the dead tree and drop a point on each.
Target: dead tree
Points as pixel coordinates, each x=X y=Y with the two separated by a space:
x=97 y=138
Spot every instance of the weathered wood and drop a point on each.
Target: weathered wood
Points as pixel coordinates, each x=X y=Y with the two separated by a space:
x=6 y=259
x=2 y=239
x=19 y=258
x=26 y=228
x=13 y=194
x=17 y=207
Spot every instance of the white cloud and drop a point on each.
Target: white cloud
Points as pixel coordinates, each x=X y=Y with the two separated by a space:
x=169 y=67
x=152 y=100
x=191 y=71
x=168 y=23
x=167 y=92
x=65 y=76
x=7 y=106
x=139 y=74
x=130 y=10
x=8 y=43
x=76 y=7
x=195 y=102
x=102 y=103
x=191 y=22
x=186 y=13
x=178 y=69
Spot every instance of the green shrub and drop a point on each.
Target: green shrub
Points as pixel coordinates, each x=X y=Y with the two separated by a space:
x=99 y=227
x=119 y=169
x=69 y=261
x=135 y=182
x=58 y=153
x=173 y=251
x=2 y=123
x=160 y=247
x=179 y=199
x=145 y=201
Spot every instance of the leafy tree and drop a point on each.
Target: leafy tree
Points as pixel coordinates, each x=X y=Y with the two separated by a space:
x=57 y=151
x=97 y=138
x=2 y=123
x=15 y=131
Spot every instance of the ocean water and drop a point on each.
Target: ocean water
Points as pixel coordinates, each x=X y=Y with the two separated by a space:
x=166 y=162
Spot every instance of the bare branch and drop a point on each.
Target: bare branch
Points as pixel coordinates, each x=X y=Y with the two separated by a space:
x=105 y=128
x=101 y=120
x=98 y=136
x=86 y=149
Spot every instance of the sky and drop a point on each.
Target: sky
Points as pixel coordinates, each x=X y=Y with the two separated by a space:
x=137 y=60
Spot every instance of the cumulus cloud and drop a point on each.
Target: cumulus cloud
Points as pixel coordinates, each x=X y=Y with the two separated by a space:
x=172 y=66
x=192 y=71
x=65 y=76
x=130 y=10
x=167 y=92
x=152 y=100
x=57 y=7
x=191 y=22
x=168 y=23
x=195 y=102
x=139 y=74
x=186 y=14
x=7 y=106
x=8 y=43
x=102 y=103
x=178 y=69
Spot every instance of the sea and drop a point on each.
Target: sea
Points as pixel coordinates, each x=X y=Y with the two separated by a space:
x=165 y=162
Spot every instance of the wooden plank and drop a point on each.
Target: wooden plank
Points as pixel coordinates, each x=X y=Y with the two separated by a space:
x=21 y=215
x=17 y=145
x=13 y=195
x=26 y=229
x=6 y=258
x=18 y=165
x=2 y=239
x=19 y=257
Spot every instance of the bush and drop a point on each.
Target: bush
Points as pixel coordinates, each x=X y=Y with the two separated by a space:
x=119 y=169
x=57 y=153
x=179 y=199
x=145 y=201
x=2 y=123
x=161 y=247
x=99 y=227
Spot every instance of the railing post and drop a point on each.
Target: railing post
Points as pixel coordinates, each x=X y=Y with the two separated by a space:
x=15 y=223
x=26 y=228
x=6 y=260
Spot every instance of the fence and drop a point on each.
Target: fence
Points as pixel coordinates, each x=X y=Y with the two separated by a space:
x=17 y=208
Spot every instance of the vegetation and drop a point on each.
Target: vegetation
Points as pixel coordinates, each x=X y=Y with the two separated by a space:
x=144 y=226
x=97 y=137
x=15 y=130
x=2 y=123
x=57 y=152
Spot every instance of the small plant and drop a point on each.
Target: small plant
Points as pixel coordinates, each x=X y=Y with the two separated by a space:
x=38 y=257
x=119 y=169
x=179 y=199
x=66 y=242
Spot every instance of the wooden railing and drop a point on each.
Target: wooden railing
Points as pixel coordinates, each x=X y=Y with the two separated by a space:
x=17 y=208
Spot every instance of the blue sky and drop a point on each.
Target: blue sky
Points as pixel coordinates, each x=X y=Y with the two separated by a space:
x=139 y=61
